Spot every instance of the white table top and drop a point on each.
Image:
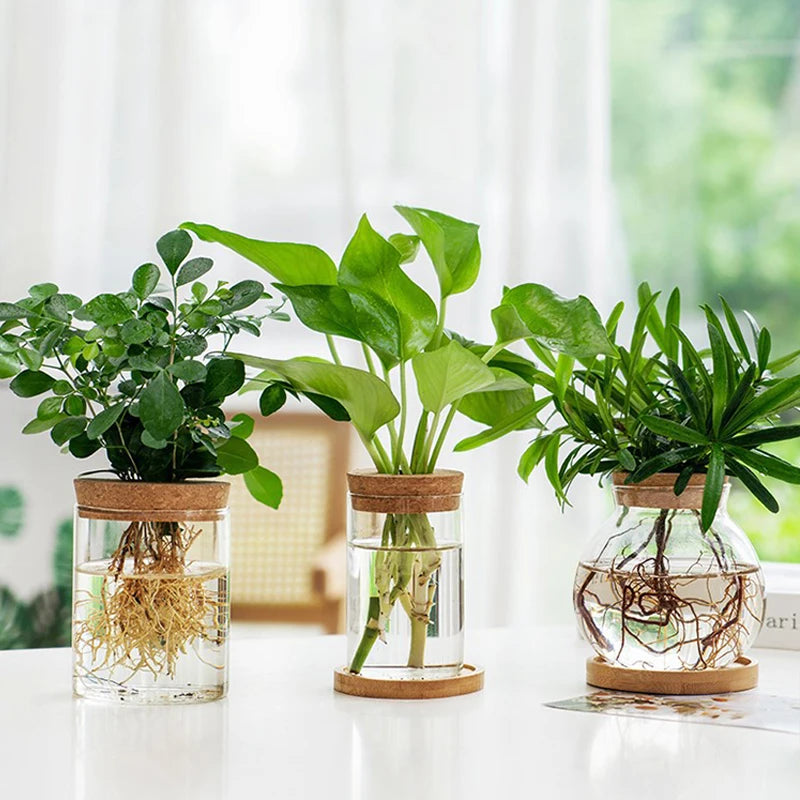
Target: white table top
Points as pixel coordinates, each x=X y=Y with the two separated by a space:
x=283 y=733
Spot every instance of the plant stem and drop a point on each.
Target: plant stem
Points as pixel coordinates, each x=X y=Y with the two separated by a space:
x=332 y=348
x=417 y=450
x=419 y=637
x=368 y=638
x=403 y=414
x=429 y=443
x=436 y=339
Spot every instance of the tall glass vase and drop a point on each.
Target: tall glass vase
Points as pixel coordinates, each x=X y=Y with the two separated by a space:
x=405 y=599
x=150 y=591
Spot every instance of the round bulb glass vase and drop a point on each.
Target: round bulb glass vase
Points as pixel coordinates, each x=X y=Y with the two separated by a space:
x=653 y=591
x=150 y=591
x=405 y=605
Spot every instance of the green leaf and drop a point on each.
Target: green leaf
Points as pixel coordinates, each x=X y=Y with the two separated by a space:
x=104 y=420
x=67 y=429
x=293 y=264
x=366 y=398
x=330 y=407
x=224 y=377
x=683 y=479
x=173 y=247
x=40 y=425
x=715 y=479
x=783 y=362
x=491 y=407
x=30 y=358
x=136 y=331
x=192 y=270
x=754 y=485
x=687 y=394
x=161 y=407
x=245 y=425
x=772 y=400
x=447 y=374
x=82 y=446
x=719 y=398
x=49 y=407
x=764 y=348
x=145 y=279
x=243 y=294
x=9 y=366
x=567 y=326
x=326 y=309
x=75 y=406
x=673 y=430
x=105 y=310
x=533 y=456
x=406 y=245
x=236 y=456
x=766 y=463
x=272 y=398
x=514 y=422
x=664 y=461
x=42 y=291
x=264 y=486
x=735 y=329
x=188 y=371
x=451 y=244
x=150 y=441
x=12 y=311
x=30 y=383
x=396 y=318
x=626 y=459
x=779 y=433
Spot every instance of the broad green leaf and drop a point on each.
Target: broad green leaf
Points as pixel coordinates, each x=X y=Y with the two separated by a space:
x=367 y=399
x=9 y=366
x=193 y=269
x=508 y=325
x=572 y=326
x=104 y=420
x=148 y=440
x=30 y=383
x=664 y=462
x=224 y=377
x=105 y=310
x=136 y=331
x=243 y=294
x=395 y=317
x=42 y=291
x=327 y=309
x=514 y=422
x=490 y=407
x=173 y=247
x=49 y=408
x=39 y=425
x=290 y=263
x=236 y=456
x=447 y=374
x=532 y=456
x=244 y=427
x=188 y=371
x=67 y=429
x=30 y=358
x=328 y=406
x=12 y=311
x=271 y=399
x=673 y=430
x=161 y=407
x=715 y=479
x=265 y=486
x=145 y=279
x=406 y=245
x=451 y=244
x=81 y=446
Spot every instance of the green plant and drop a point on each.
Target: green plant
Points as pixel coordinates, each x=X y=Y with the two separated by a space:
x=677 y=408
x=134 y=374
x=371 y=299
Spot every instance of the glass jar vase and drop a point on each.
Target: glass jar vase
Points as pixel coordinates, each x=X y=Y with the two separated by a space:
x=150 y=591
x=405 y=600
x=653 y=591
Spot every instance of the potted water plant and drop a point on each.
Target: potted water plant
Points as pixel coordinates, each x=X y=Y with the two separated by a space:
x=141 y=376
x=669 y=593
x=405 y=526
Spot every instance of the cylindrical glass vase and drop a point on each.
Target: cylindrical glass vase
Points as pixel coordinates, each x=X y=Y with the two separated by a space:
x=405 y=597
x=654 y=591
x=150 y=591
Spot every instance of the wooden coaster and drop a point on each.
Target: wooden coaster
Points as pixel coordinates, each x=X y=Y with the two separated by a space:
x=736 y=677
x=469 y=680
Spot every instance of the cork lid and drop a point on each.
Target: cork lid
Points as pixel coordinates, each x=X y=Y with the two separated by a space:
x=658 y=491
x=405 y=494
x=111 y=498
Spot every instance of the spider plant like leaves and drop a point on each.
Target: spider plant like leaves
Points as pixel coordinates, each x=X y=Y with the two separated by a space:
x=715 y=479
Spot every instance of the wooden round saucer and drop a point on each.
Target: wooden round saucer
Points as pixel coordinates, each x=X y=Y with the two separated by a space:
x=469 y=680
x=736 y=677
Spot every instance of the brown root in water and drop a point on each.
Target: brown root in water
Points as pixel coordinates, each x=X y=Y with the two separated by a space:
x=694 y=614
x=146 y=619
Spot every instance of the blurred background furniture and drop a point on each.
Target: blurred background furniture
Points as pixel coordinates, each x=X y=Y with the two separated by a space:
x=289 y=565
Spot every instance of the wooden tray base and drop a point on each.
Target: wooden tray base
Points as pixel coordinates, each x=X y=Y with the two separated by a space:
x=736 y=677
x=469 y=680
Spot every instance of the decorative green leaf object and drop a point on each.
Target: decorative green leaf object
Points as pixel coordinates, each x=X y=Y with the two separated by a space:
x=11 y=511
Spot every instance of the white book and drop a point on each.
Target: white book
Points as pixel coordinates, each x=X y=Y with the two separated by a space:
x=781 y=628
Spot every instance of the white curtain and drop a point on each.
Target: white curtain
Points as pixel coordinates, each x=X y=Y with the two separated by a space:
x=118 y=120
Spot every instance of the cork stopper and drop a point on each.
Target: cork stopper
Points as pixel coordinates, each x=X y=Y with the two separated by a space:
x=111 y=498
x=405 y=494
x=658 y=491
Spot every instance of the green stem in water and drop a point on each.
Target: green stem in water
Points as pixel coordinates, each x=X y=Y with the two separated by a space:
x=419 y=637
x=368 y=638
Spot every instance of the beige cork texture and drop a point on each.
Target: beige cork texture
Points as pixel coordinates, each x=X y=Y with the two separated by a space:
x=657 y=491
x=405 y=494
x=102 y=498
